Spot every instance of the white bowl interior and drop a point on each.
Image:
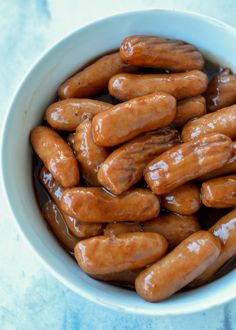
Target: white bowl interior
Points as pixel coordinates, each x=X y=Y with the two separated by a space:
x=38 y=90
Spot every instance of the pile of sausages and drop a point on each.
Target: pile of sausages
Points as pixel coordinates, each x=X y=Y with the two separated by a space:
x=164 y=147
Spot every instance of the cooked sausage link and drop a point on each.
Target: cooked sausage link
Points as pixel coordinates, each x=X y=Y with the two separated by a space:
x=108 y=254
x=94 y=78
x=56 y=155
x=178 y=268
x=221 y=91
x=126 y=86
x=219 y=192
x=129 y=119
x=225 y=230
x=66 y=115
x=184 y=199
x=188 y=109
x=126 y=276
x=228 y=168
x=58 y=225
x=221 y=121
x=156 y=52
x=96 y=205
x=174 y=227
x=89 y=154
x=187 y=161
x=81 y=230
x=124 y=167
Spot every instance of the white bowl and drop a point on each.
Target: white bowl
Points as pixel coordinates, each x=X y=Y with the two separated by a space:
x=38 y=90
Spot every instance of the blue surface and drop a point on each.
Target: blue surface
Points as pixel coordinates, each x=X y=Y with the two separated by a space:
x=30 y=298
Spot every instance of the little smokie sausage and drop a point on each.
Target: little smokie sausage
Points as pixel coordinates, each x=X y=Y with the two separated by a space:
x=94 y=78
x=174 y=227
x=188 y=109
x=58 y=225
x=108 y=254
x=184 y=199
x=89 y=154
x=187 y=161
x=221 y=92
x=219 y=192
x=81 y=230
x=228 y=168
x=221 y=121
x=178 y=268
x=122 y=227
x=124 y=167
x=225 y=230
x=67 y=114
x=56 y=155
x=126 y=86
x=96 y=205
x=129 y=119
x=156 y=52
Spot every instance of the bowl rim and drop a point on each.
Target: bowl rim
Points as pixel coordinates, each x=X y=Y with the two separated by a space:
x=193 y=308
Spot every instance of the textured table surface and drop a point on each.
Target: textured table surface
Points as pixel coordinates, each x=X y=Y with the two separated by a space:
x=30 y=298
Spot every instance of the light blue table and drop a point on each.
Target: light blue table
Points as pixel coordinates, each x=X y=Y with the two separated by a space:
x=30 y=298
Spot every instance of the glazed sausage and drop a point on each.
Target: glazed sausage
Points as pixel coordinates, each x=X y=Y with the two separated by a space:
x=95 y=205
x=126 y=86
x=221 y=121
x=81 y=230
x=71 y=140
x=184 y=199
x=94 y=78
x=178 y=268
x=129 y=119
x=187 y=161
x=56 y=155
x=219 y=192
x=225 y=230
x=120 y=228
x=67 y=114
x=174 y=227
x=58 y=225
x=228 y=168
x=104 y=255
x=124 y=167
x=221 y=92
x=188 y=109
x=89 y=154
x=156 y=52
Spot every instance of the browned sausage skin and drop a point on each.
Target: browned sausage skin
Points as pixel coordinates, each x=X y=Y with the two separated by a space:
x=178 y=268
x=66 y=115
x=184 y=199
x=126 y=86
x=127 y=276
x=187 y=161
x=228 y=168
x=129 y=119
x=156 y=52
x=221 y=91
x=124 y=167
x=56 y=155
x=56 y=222
x=188 y=109
x=221 y=121
x=94 y=78
x=108 y=254
x=81 y=230
x=225 y=230
x=174 y=227
x=219 y=192
x=96 y=205
x=89 y=154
